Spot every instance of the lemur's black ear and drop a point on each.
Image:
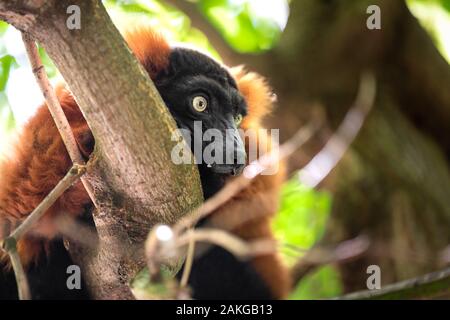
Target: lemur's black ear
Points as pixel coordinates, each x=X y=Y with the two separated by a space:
x=151 y=49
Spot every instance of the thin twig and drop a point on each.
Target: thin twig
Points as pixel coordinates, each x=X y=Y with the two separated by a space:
x=427 y=286
x=228 y=241
x=23 y=289
x=55 y=109
x=188 y=263
x=323 y=162
x=52 y=100
x=153 y=253
x=10 y=243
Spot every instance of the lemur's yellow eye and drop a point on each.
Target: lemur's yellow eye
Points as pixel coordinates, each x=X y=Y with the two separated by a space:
x=238 y=119
x=199 y=103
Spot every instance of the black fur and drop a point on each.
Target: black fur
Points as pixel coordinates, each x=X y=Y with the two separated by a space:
x=47 y=279
x=192 y=74
x=218 y=275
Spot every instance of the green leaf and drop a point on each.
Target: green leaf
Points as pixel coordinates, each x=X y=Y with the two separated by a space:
x=322 y=284
x=238 y=24
x=302 y=216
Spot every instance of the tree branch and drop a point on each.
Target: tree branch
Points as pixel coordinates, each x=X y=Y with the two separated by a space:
x=239 y=248
x=54 y=107
x=52 y=101
x=9 y=244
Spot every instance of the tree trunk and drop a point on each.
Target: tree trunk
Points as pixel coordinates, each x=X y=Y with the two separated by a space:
x=135 y=183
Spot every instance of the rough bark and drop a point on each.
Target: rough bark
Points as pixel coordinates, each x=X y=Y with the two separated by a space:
x=135 y=183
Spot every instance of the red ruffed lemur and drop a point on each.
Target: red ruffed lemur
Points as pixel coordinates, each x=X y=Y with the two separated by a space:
x=194 y=87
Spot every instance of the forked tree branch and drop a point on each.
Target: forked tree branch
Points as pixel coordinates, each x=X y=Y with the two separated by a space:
x=10 y=243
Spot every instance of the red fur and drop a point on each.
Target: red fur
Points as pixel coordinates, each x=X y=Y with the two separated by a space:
x=150 y=48
x=40 y=161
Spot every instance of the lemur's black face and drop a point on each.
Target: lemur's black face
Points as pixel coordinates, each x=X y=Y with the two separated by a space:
x=196 y=88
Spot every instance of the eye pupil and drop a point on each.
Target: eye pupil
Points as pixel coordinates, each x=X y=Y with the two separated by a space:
x=199 y=103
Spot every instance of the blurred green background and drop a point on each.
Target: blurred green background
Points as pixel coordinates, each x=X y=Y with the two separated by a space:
x=250 y=26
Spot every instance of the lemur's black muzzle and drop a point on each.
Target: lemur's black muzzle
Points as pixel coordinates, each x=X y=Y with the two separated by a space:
x=233 y=147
